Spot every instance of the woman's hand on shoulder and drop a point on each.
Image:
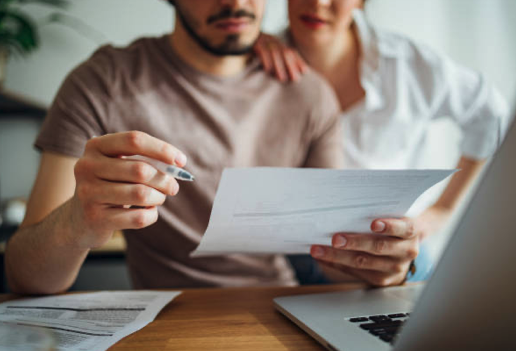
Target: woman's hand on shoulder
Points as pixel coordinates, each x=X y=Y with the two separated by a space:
x=280 y=60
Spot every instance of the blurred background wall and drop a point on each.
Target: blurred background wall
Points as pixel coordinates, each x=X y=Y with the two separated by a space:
x=477 y=33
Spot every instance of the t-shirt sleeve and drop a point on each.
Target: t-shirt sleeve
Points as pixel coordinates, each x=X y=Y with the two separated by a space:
x=325 y=149
x=79 y=110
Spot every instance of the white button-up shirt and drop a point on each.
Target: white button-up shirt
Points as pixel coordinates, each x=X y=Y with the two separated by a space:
x=408 y=86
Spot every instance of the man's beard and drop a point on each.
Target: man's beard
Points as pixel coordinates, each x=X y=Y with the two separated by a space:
x=230 y=46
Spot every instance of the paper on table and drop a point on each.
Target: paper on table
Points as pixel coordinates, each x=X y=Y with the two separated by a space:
x=286 y=210
x=92 y=321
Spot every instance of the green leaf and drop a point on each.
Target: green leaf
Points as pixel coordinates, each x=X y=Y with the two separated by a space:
x=5 y=3
x=53 y=3
x=16 y=49
x=18 y=32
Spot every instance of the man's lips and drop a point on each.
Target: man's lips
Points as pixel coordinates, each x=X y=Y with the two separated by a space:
x=233 y=25
x=313 y=21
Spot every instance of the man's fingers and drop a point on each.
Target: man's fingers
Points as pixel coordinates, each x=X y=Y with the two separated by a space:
x=136 y=143
x=379 y=279
x=137 y=172
x=402 y=228
x=107 y=193
x=378 y=245
x=357 y=260
x=132 y=218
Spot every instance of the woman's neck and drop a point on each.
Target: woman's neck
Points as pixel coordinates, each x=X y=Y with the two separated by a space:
x=325 y=58
x=339 y=63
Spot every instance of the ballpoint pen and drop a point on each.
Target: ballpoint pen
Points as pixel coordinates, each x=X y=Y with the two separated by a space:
x=171 y=170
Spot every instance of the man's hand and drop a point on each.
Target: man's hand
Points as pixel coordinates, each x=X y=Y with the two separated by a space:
x=113 y=193
x=381 y=259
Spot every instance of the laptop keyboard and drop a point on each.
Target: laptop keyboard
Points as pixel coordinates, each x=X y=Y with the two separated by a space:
x=385 y=327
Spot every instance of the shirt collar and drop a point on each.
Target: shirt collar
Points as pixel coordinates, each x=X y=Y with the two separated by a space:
x=370 y=62
x=367 y=39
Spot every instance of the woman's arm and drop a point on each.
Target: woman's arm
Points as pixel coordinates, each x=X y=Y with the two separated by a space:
x=436 y=216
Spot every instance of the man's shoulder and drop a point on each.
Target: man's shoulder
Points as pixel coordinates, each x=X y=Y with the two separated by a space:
x=110 y=61
x=312 y=89
x=311 y=96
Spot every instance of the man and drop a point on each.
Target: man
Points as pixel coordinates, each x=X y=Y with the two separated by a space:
x=198 y=93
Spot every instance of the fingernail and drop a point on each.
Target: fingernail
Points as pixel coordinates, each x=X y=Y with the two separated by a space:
x=379 y=227
x=155 y=197
x=339 y=241
x=175 y=187
x=317 y=252
x=180 y=159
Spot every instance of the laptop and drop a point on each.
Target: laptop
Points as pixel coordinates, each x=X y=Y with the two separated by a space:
x=468 y=304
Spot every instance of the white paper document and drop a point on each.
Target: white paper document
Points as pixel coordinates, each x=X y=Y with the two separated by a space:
x=92 y=321
x=286 y=210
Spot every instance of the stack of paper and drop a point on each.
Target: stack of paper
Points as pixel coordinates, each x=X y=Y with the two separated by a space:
x=93 y=321
x=286 y=210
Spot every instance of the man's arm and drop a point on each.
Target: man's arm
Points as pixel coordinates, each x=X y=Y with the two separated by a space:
x=76 y=205
x=42 y=238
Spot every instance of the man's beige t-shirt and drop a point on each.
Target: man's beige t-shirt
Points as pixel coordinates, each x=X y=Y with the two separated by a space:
x=246 y=120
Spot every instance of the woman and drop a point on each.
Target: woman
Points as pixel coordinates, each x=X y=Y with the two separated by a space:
x=390 y=90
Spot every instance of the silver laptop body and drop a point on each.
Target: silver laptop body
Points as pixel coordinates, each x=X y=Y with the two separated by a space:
x=468 y=304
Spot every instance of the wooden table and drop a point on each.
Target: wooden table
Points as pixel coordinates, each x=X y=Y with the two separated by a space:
x=224 y=319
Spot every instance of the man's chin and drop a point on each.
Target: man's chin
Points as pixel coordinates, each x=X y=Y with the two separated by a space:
x=232 y=46
x=236 y=51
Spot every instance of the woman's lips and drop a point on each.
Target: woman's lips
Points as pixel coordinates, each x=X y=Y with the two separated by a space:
x=313 y=22
x=232 y=25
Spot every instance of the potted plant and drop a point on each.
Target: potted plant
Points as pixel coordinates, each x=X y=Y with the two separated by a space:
x=19 y=32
